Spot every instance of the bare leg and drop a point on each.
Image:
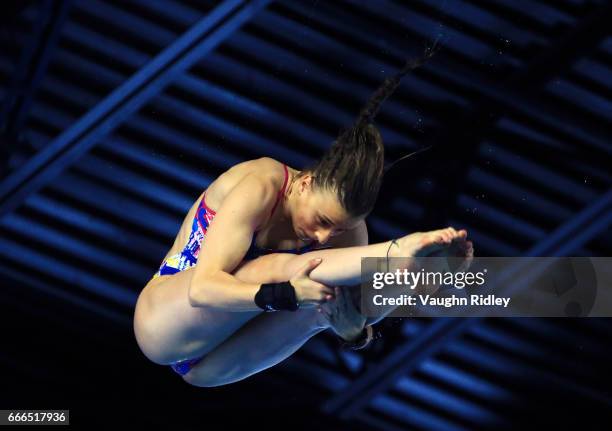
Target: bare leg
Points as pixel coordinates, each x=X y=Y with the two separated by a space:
x=343 y=266
x=263 y=342
x=338 y=267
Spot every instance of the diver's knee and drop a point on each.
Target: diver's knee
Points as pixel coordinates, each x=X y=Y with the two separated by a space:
x=201 y=380
x=208 y=375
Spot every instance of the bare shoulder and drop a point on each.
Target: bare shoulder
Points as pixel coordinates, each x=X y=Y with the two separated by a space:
x=265 y=172
x=270 y=169
x=256 y=187
x=261 y=180
x=266 y=169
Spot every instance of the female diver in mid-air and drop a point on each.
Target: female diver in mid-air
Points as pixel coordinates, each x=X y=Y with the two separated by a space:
x=281 y=240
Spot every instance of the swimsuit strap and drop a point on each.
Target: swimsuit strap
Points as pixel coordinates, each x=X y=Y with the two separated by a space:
x=278 y=197
x=203 y=204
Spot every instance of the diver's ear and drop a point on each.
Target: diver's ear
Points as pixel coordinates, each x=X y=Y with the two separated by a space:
x=305 y=183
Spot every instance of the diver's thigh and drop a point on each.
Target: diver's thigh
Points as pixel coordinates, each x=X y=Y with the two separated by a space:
x=162 y=313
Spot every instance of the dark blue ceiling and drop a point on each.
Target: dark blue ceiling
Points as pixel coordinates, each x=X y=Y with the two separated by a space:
x=117 y=114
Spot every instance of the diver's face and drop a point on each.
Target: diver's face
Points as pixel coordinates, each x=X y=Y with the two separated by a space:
x=318 y=214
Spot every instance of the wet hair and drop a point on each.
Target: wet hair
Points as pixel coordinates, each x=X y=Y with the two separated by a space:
x=353 y=166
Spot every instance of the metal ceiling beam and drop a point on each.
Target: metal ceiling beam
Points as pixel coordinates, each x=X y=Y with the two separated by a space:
x=519 y=93
x=407 y=357
x=30 y=70
x=579 y=42
x=60 y=153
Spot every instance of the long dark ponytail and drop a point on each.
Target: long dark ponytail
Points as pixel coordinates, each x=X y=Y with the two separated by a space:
x=353 y=167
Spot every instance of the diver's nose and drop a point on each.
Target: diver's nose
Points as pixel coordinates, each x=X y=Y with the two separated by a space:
x=323 y=236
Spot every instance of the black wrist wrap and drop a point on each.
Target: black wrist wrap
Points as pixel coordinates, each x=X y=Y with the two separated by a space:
x=276 y=296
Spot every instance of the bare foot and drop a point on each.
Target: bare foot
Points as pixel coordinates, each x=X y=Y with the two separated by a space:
x=421 y=244
x=460 y=252
x=457 y=257
x=437 y=243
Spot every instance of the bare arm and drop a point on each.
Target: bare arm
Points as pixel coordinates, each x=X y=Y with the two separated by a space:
x=227 y=240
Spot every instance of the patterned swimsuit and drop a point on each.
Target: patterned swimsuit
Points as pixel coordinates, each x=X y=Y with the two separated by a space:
x=188 y=257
